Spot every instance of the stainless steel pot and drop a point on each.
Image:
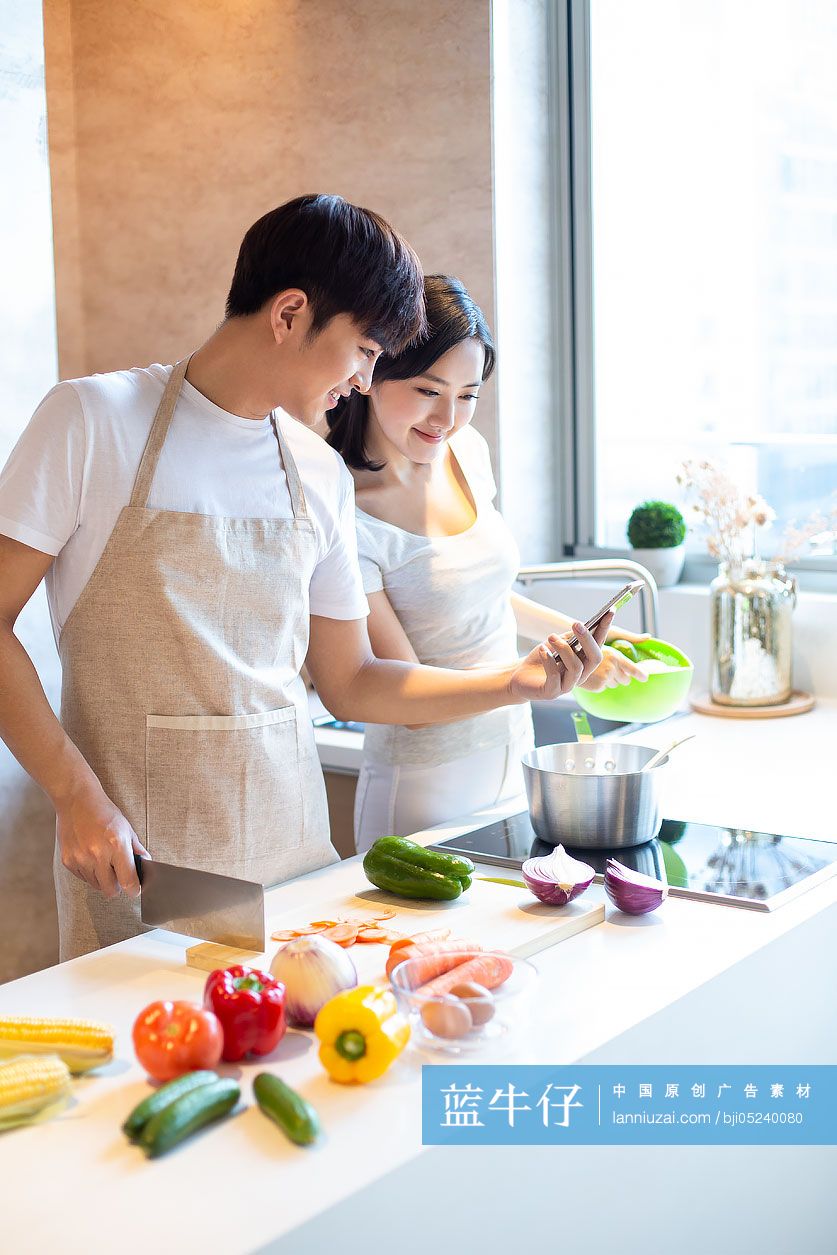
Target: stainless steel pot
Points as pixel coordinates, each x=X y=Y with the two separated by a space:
x=594 y=795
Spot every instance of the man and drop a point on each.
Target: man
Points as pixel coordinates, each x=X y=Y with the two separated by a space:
x=197 y=544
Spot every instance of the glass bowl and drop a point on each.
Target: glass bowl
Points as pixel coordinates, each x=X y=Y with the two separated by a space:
x=437 y=1022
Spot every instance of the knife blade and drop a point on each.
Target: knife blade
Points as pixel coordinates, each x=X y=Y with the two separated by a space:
x=202 y=904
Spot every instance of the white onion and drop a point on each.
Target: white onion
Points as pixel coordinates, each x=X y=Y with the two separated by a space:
x=313 y=970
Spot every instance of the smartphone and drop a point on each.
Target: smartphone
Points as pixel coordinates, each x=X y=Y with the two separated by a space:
x=617 y=601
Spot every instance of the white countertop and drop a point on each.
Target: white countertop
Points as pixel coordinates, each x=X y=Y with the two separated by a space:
x=70 y=1182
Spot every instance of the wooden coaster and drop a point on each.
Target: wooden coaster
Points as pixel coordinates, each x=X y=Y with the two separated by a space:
x=797 y=704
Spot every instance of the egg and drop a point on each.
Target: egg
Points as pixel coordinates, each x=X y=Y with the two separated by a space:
x=477 y=999
x=446 y=1017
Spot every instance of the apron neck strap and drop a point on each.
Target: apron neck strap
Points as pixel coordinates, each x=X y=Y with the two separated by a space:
x=157 y=435
x=295 y=489
x=159 y=431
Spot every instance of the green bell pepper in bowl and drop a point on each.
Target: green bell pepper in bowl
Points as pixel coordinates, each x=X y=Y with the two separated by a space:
x=660 y=696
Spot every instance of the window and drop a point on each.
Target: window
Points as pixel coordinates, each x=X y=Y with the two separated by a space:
x=28 y=366
x=702 y=187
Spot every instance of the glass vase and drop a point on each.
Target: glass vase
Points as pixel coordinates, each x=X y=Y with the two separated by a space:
x=752 y=608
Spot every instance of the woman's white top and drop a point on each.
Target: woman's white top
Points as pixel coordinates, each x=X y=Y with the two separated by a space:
x=452 y=597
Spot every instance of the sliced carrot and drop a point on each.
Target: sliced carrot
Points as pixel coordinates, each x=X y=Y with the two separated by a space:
x=285 y=934
x=386 y=913
x=371 y=935
x=382 y=935
x=488 y=970
x=319 y=927
x=320 y=924
x=343 y=934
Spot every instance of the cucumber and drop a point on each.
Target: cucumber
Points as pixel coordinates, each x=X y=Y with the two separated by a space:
x=162 y=1098
x=296 y=1118
x=187 y=1114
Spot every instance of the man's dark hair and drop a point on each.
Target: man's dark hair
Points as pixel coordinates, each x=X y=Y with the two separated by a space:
x=347 y=260
x=452 y=316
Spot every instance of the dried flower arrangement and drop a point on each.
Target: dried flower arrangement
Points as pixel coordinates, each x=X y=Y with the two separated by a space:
x=735 y=520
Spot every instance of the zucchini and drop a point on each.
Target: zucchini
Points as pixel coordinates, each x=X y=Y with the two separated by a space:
x=296 y=1118
x=162 y=1098
x=187 y=1114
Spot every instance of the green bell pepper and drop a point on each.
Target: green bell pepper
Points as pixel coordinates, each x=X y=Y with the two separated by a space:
x=409 y=870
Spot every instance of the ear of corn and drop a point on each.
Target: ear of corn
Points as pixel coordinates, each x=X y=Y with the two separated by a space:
x=82 y=1044
x=32 y=1088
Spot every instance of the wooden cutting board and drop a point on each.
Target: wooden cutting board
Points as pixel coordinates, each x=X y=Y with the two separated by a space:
x=499 y=916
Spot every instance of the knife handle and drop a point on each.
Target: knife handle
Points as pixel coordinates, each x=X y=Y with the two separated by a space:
x=138 y=862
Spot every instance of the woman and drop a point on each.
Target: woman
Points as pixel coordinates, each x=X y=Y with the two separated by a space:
x=438 y=565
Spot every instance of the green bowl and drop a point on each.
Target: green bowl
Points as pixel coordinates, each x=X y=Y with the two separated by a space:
x=660 y=695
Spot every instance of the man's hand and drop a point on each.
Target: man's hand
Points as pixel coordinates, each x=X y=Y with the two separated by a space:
x=98 y=844
x=539 y=677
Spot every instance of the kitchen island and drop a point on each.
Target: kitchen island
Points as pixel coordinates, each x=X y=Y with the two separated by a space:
x=696 y=982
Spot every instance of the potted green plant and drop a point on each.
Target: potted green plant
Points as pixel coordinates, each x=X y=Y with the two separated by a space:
x=657 y=532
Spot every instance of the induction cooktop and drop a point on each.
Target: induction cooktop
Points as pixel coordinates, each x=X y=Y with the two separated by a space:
x=736 y=866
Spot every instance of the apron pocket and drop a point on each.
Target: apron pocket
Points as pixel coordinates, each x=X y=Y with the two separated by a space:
x=224 y=792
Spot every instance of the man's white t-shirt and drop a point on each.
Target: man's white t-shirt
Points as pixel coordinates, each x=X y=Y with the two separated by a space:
x=74 y=467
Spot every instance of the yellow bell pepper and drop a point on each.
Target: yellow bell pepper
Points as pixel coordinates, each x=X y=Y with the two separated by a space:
x=361 y=1034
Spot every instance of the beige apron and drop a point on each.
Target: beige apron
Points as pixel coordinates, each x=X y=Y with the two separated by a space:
x=181 y=688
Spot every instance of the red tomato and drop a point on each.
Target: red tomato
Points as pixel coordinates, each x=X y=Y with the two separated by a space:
x=171 y=1038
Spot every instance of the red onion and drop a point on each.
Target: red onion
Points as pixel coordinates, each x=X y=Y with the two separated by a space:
x=557 y=878
x=312 y=969
x=631 y=891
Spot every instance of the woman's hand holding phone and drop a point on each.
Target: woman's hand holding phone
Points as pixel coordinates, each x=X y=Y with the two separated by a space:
x=614 y=668
x=556 y=667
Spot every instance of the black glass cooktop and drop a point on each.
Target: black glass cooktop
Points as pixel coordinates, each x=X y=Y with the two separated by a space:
x=733 y=865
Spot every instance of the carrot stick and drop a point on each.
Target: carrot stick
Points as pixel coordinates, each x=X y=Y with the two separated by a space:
x=434 y=934
x=433 y=958
x=488 y=970
x=432 y=937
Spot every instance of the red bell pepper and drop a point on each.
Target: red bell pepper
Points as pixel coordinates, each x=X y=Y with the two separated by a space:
x=251 y=1007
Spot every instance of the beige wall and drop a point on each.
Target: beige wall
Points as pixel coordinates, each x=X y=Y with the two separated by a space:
x=174 y=126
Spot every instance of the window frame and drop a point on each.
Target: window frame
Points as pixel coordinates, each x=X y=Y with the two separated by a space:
x=571 y=178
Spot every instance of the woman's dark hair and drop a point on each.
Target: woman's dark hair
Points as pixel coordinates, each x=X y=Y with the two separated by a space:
x=347 y=260
x=452 y=316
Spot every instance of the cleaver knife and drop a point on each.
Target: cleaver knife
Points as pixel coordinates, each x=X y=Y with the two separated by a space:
x=202 y=904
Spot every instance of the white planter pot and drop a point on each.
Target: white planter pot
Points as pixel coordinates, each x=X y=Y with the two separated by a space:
x=666 y=565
